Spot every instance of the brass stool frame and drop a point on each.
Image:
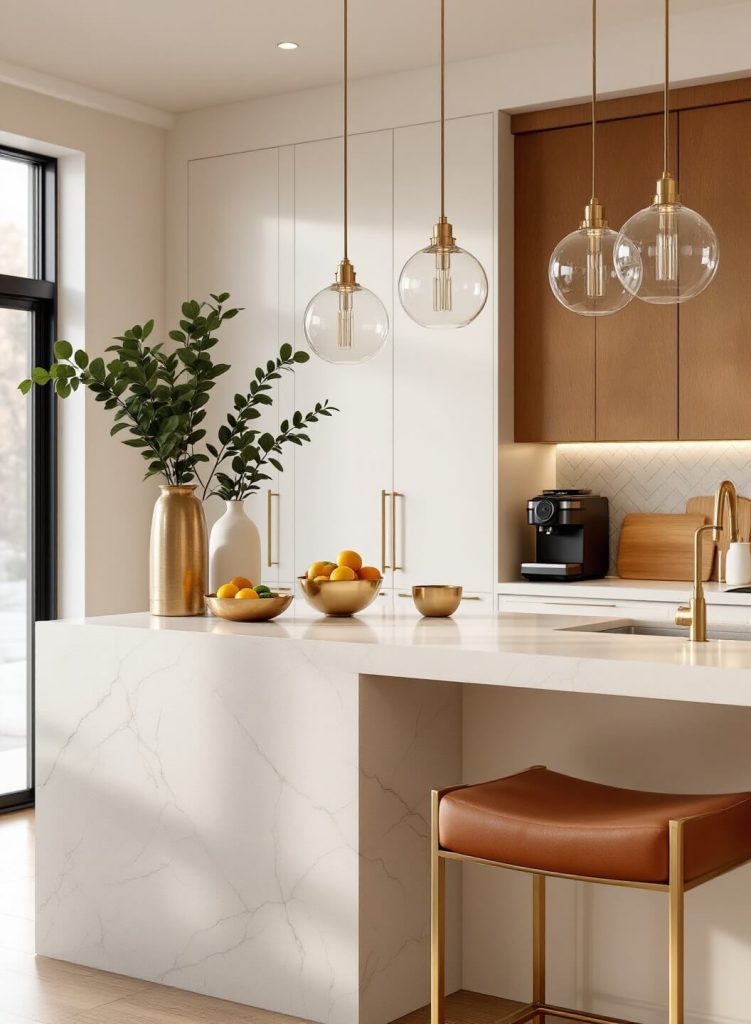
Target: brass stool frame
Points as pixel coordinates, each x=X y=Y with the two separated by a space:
x=676 y=887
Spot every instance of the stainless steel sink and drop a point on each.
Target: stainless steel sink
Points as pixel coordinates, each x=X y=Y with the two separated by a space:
x=649 y=629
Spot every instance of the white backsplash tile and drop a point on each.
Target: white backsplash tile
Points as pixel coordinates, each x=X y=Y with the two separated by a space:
x=652 y=476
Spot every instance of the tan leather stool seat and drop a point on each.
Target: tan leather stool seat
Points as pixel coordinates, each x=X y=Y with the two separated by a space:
x=546 y=821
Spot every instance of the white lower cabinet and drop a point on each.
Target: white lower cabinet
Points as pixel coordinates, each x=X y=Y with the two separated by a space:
x=405 y=472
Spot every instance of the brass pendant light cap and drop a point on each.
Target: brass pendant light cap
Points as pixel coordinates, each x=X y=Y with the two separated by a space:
x=443 y=235
x=345 y=274
x=594 y=214
x=666 y=193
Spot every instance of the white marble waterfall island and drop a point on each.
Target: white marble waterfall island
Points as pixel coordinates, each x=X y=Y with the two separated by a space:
x=242 y=810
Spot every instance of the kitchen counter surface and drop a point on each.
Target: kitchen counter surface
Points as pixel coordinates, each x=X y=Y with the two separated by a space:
x=243 y=810
x=529 y=650
x=611 y=587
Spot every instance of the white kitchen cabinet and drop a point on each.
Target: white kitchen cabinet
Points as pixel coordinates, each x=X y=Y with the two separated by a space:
x=445 y=447
x=340 y=476
x=241 y=231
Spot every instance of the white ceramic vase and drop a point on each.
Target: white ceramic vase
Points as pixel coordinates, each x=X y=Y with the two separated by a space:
x=738 y=565
x=234 y=547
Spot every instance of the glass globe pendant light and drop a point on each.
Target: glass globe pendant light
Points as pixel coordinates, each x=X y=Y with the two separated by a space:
x=676 y=247
x=443 y=285
x=346 y=323
x=581 y=272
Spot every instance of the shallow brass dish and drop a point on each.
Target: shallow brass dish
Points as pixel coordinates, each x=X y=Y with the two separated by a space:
x=340 y=597
x=248 y=610
x=437 y=600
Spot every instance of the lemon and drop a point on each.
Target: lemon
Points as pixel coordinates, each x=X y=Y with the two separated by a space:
x=245 y=593
x=343 y=572
x=349 y=560
x=227 y=590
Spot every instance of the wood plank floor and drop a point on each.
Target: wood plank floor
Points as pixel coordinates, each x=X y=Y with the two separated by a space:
x=37 y=990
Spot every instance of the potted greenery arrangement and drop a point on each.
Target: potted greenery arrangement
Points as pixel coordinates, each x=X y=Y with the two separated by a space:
x=158 y=395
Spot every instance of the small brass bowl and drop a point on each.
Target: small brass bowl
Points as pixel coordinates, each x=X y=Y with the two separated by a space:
x=436 y=600
x=246 y=609
x=340 y=597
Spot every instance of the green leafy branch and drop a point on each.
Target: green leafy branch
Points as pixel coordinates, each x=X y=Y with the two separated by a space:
x=250 y=451
x=157 y=396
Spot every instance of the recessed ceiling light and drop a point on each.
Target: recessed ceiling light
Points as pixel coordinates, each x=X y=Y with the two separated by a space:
x=287 y=46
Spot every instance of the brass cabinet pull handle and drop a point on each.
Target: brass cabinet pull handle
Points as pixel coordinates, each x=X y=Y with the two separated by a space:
x=269 y=495
x=394 y=496
x=384 y=564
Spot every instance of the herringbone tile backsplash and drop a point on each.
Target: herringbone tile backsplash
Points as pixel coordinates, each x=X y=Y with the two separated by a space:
x=652 y=477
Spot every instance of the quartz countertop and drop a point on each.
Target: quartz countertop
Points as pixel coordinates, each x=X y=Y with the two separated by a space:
x=530 y=650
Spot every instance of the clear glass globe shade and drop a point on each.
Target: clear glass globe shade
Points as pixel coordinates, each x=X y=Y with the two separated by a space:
x=346 y=324
x=677 y=249
x=443 y=287
x=582 y=274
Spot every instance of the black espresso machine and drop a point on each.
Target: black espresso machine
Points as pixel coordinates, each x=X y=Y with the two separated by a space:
x=571 y=536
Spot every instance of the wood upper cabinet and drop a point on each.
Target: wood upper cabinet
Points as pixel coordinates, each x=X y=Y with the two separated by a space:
x=554 y=348
x=581 y=378
x=715 y=327
x=636 y=355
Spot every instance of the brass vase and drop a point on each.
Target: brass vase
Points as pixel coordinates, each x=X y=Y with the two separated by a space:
x=178 y=564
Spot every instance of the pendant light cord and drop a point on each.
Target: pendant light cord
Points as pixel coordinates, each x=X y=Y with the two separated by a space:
x=346 y=97
x=665 y=127
x=594 y=98
x=443 y=109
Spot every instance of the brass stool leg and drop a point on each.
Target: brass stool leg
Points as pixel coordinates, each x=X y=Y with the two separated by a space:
x=675 y=896
x=437 y=919
x=538 y=942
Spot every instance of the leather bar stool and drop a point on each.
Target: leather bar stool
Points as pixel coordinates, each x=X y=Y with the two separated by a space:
x=547 y=824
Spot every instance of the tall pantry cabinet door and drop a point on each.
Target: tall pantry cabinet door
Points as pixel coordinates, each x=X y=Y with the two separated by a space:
x=340 y=476
x=236 y=246
x=444 y=379
x=554 y=348
x=715 y=327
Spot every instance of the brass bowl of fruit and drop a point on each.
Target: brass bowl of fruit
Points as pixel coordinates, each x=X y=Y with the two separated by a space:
x=344 y=587
x=240 y=603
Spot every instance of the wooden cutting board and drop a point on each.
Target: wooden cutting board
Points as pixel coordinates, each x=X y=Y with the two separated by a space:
x=661 y=547
x=705 y=507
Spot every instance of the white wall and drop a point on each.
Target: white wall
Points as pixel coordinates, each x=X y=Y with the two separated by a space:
x=111 y=276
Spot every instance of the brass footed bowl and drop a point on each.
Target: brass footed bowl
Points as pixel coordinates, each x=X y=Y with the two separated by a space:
x=437 y=600
x=246 y=609
x=340 y=597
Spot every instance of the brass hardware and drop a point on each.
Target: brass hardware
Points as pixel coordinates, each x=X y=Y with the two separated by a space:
x=178 y=555
x=538 y=939
x=725 y=496
x=394 y=496
x=675 y=917
x=694 y=614
x=666 y=191
x=269 y=495
x=437 y=918
x=384 y=563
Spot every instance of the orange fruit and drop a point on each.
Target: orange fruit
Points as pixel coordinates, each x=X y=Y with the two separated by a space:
x=242 y=582
x=343 y=572
x=227 y=590
x=320 y=569
x=321 y=579
x=368 y=572
x=247 y=593
x=350 y=559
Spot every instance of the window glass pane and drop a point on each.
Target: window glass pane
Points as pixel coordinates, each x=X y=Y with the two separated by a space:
x=15 y=347
x=15 y=218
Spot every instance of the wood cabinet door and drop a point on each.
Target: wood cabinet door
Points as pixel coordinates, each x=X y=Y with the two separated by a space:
x=236 y=245
x=340 y=475
x=715 y=327
x=444 y=380
x=554 y=348
x=636 y=355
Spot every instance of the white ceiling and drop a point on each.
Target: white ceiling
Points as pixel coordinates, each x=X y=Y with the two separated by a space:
x=179 y=55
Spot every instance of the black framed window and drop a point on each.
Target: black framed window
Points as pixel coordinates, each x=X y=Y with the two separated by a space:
x=28 y=453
